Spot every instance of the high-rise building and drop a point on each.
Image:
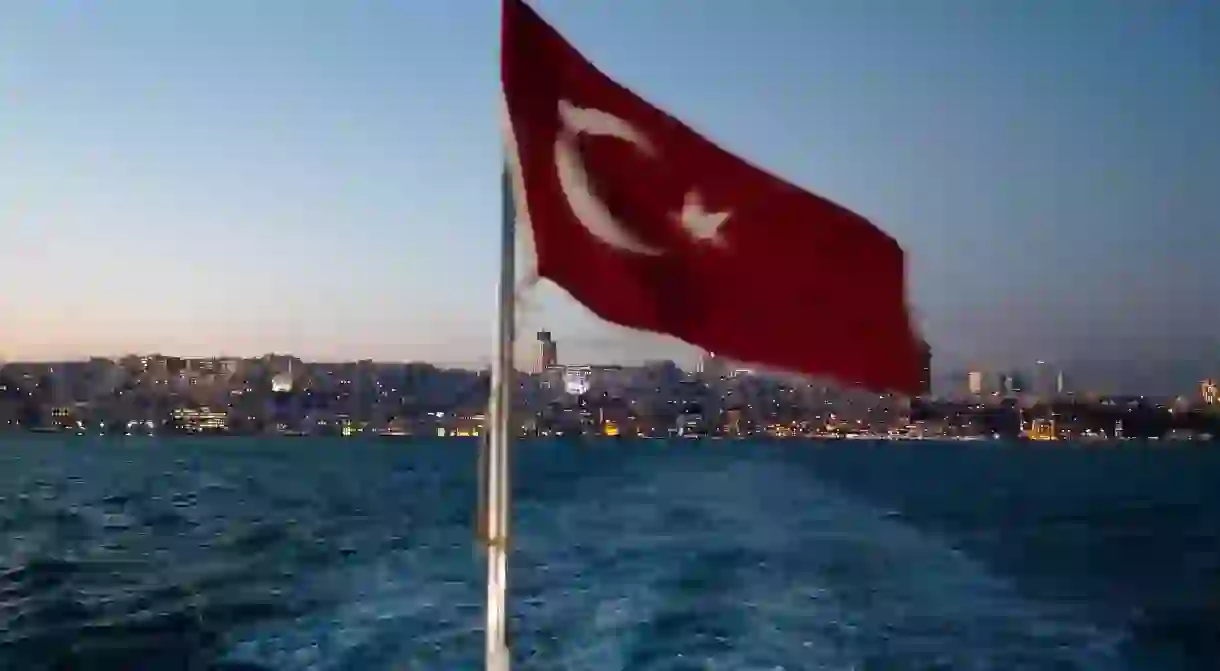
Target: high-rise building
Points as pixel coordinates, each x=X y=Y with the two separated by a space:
x=975 y=380
x=1061 y=385
x=712 y=366
x=1013 y=384
x=1045 y=381
x=548 y=351
x=925 y=378
x=1210 y=392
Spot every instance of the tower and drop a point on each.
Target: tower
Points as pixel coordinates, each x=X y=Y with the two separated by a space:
x=548 y=351
x=925 y=377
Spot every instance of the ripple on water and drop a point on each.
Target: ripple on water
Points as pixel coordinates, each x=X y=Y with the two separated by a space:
x=358 y=557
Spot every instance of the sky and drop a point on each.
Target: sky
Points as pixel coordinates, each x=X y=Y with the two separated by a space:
x=317 y=177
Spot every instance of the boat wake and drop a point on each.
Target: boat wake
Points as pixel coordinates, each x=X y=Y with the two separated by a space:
x=742 y=565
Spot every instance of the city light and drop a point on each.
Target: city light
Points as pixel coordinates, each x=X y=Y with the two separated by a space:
x=283 y=395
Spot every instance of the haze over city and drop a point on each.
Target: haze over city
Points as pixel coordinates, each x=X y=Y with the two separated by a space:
x=224 y=179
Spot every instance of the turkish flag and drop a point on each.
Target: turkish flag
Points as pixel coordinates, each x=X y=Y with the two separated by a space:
x=653 y=227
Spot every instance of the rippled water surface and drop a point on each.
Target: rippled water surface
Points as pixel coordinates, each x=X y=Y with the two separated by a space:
x=293 y=554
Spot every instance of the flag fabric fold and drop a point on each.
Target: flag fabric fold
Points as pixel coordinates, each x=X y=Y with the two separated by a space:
x=651 y=226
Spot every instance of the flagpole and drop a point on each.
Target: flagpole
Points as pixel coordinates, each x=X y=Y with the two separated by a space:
x=497 y=496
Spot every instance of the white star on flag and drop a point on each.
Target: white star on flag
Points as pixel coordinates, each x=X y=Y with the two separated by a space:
x=700 y=223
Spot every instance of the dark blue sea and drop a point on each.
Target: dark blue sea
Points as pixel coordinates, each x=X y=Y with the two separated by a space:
x=293 y=554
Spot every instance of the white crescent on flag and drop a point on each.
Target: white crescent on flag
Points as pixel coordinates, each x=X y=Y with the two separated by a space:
x=697 y=221
x=574 y=179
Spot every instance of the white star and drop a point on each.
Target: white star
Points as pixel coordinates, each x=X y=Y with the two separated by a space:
x=700 y=223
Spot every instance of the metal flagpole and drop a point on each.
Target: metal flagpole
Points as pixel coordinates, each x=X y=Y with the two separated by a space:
x=499 y=439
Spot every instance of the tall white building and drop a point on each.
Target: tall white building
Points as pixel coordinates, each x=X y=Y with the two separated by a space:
x=975 y=381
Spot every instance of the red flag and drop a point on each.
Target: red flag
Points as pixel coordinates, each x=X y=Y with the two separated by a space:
x=653 y=227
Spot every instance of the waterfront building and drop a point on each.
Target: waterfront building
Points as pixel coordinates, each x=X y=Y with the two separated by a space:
x=200 y=420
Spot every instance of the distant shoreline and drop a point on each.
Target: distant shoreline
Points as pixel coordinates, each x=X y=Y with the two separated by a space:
x=278 y=437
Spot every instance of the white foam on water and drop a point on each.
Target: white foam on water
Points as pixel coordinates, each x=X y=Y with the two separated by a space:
x=837 y=585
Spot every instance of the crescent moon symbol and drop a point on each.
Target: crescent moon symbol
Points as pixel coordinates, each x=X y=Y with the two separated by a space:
x=574 y=180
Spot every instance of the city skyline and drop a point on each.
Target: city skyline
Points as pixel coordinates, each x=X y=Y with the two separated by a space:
x=209 y=178
x=279 y=395
x=1151 y=378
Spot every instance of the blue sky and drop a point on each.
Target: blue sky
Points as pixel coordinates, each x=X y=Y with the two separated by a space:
x=322 y=177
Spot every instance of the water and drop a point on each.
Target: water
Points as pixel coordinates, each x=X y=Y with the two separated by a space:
x=241 y=554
